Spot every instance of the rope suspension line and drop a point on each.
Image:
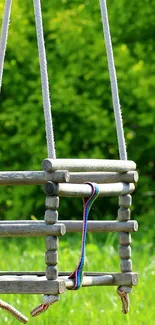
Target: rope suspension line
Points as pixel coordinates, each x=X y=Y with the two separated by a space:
x=113 y=80
x=4 y=36
x=3 y=43
x=44 y=80
x=13 y=311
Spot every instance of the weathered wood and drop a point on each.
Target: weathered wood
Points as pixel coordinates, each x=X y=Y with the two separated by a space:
x=124 y=214
x=124 y=238
x=124 y=252
x=31 y=229
x=39 y=284
x=51 y=257
x=85 y=190
x=129 y=278
x=33 y=177
x=31 y=284
x=88 y=281
x=101 y=226
x=103 y=177
x=52 y=243
x=51 y=216
x=52 y=202
x=118 y=279
x=41 y=229
x=125 y=201
x=51 y=272
x=126 y=265
x=88 y=165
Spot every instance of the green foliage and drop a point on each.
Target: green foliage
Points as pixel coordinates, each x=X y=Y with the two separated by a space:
x=80 y=91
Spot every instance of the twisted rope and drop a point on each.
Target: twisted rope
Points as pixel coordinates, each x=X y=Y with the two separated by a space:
x=4 y=36
x=87 y=204
x=113 y=80
x=3 y=43
x=47 y=301
x=44 y=80
x=123 y=294
x=14 y=312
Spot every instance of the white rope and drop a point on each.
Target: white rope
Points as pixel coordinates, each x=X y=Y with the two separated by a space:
x=113 y=80
x=4 y=36
x=44 y=80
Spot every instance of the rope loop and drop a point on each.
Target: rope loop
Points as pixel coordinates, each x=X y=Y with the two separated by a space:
x=123 y=292
x=77 y=275
x=47 y=301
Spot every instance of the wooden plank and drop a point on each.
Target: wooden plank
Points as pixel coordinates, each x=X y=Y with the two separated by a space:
x=31 y=284
x=90 y=278
x=85 y=190
x=31 y=229
x=33 y=177
x=85 y=165
x=39 y=228
x=103 y=177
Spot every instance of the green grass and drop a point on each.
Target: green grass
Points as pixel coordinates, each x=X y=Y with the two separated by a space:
x=88 y=306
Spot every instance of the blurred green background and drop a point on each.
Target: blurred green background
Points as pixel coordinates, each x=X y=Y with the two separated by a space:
x=81 y=103
x=81 y=96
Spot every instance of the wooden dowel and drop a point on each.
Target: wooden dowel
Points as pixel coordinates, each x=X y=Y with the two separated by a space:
x=102 y=226
x=33 y=177
x=31 y=229
x=31 y=284
x=116 y=280
x=85 y=190
x=90 y=281
x=103 y=177
x=84 y=165
x=39 y=228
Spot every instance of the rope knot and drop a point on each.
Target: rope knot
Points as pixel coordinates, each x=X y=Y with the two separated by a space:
x=123 y=292
x=47 y=301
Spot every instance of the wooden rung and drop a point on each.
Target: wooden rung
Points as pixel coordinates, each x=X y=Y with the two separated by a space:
x=36 y=282
x=33 y=177
x=85 y=190
x=39 y=228
x=85 y=165
x=101 y=226
x=30 y=229
x=30 y=284
x=118 y=278
x=103 y=177
x=89 y=281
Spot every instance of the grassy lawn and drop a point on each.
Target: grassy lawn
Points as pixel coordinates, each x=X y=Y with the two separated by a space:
x=88 y=305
